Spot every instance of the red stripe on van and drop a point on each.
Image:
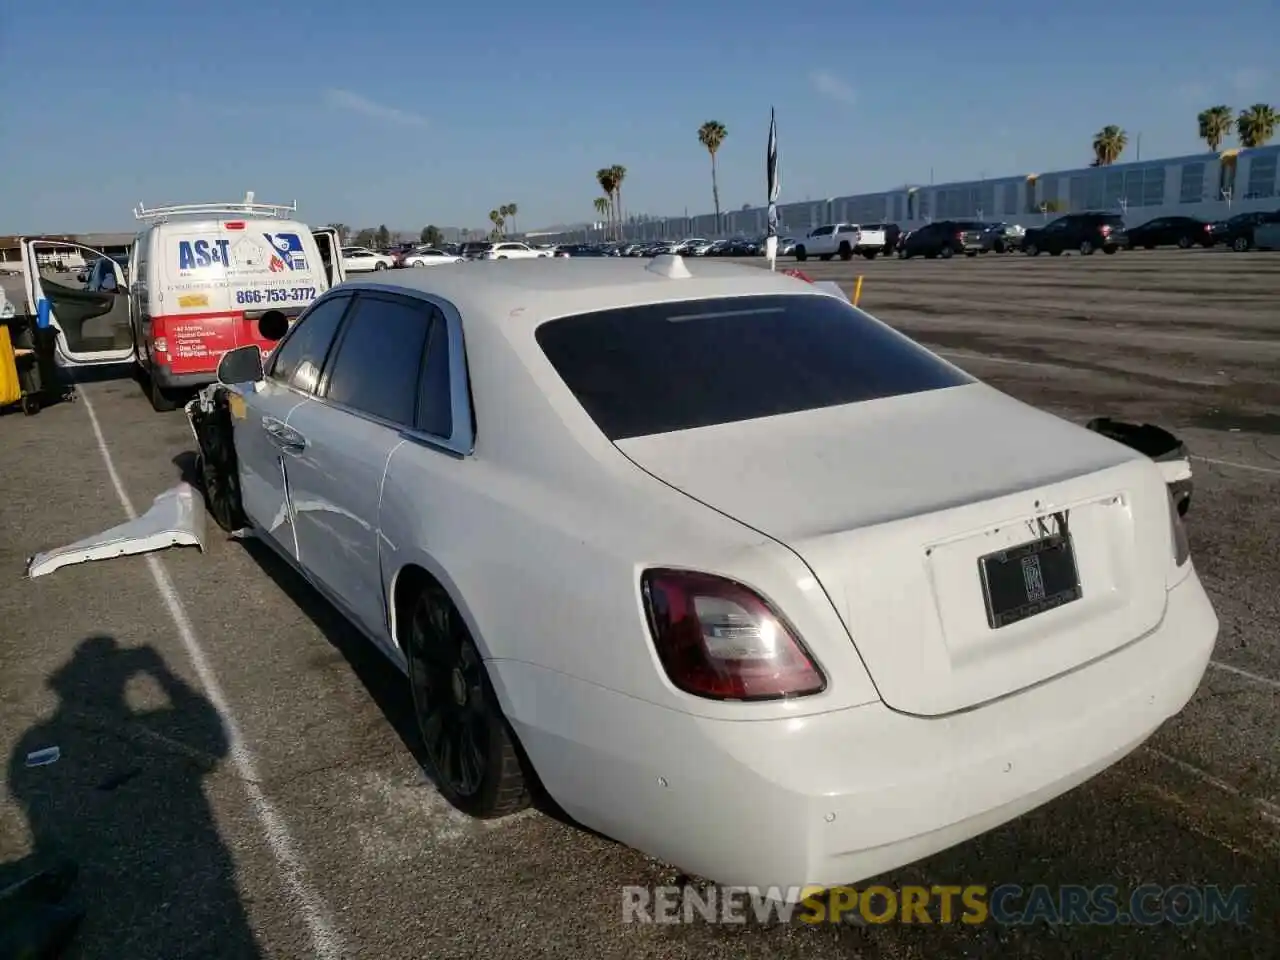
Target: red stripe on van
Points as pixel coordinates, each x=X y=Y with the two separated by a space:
x=197 y=341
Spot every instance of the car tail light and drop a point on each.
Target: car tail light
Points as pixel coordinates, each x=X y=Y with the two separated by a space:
x=1104 y=230
x=960 y=235
x=1208 y=228
x=719 y=639
x=234 y=225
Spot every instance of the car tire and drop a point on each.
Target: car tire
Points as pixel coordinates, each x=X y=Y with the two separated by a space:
x=419 y=263
x=946 y=253
x=218 y=469
x=1184 y=243
x=379 y=266
x=1111 y=249
x=1086 y=248
x=1240 y=244
x=457 y=712
x=846 y=252
x=802 y=254
x=1031 y=250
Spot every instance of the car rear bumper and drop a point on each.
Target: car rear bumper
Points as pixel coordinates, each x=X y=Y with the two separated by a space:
x=842 y=796
x=166 y=378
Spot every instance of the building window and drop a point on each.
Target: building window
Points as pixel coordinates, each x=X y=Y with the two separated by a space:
x=1262 y=177
x=1011 y=199
x=1191 y=189
x=1153 y=186
x=1112 y=189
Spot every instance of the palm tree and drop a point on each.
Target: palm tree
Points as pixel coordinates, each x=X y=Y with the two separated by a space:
x=604 y=177
x=504 y=211
x=602 y=207
x=1108 y=144
x=711 y=135
x=1215 y=124
x=619 y=173
x=512 y=210
x=1256 y=125
x=495 y=217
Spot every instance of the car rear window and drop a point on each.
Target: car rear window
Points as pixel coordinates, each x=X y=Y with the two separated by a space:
x=657 y=368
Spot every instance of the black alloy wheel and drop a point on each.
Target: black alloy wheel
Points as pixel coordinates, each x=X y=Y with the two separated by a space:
x=472 y=754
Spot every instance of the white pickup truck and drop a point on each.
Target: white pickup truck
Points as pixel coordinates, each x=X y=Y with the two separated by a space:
x=843 y=239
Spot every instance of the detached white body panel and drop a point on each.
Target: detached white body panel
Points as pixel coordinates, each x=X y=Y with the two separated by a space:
x=868 y=526
x=176 y=518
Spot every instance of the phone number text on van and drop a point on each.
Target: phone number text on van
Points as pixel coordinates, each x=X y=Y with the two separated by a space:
x=276 y=295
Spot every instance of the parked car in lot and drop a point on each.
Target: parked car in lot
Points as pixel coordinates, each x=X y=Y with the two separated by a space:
x=514 y=250
x=991 y=238
x=423 y=256
x=840 y=239
x=1266 y=236
x=1181 y=232
x=1085 y=232
x=363 y=260
x=1238 y=232
x=942 y=238
x=798 y=618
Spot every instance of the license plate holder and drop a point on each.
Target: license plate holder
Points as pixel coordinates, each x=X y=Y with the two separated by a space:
x=1028 y=579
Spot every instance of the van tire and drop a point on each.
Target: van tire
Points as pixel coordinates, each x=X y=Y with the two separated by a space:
x=162 y=400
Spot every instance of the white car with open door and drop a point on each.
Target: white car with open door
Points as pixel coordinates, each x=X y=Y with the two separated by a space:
x=197 y=278
x=745 y=578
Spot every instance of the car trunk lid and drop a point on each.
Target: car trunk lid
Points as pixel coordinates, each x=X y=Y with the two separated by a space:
x=892 y=504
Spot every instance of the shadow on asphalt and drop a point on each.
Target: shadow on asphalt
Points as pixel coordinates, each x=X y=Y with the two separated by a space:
x=125 y=801
x=382 y=679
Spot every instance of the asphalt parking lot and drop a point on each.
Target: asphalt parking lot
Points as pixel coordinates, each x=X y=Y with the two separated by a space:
x=239 y=776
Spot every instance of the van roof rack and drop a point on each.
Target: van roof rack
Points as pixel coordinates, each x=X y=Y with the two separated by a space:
x=245 y=206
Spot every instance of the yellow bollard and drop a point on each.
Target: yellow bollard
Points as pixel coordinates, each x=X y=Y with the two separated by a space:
x=857 y=291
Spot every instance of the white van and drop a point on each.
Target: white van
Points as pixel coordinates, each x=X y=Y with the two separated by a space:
x=194 y=284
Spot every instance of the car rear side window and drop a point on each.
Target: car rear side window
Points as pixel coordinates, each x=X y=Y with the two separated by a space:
x=675 y=366
x=379 y=358
x=435 y=403
x=300 y=357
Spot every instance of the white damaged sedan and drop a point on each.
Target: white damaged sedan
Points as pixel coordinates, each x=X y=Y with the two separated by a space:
x=741 y=576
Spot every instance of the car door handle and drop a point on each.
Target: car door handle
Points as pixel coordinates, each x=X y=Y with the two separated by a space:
x=283 y=436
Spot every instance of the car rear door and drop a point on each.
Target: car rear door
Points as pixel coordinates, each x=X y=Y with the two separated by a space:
x=366 y=402
x=92 y=327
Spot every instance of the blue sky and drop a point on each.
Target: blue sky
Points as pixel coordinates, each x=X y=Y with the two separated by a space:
x=411 y=113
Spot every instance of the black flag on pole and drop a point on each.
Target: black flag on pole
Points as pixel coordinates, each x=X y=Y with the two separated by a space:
x=772 y=167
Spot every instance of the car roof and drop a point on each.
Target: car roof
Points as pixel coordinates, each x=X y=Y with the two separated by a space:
x=524 y=293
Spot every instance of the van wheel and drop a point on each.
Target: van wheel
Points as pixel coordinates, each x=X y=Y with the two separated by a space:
x=162 y=400
x=472 y=751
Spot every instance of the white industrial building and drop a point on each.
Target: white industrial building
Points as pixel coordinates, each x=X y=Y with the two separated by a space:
x=1212 y=186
